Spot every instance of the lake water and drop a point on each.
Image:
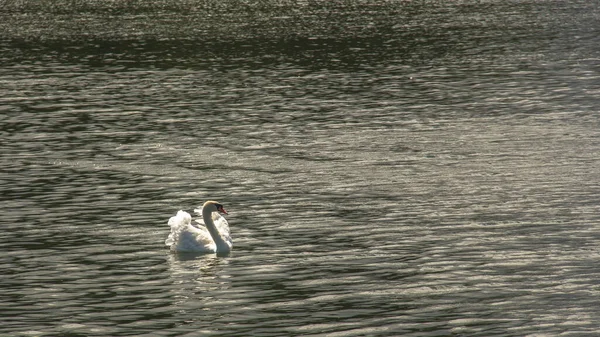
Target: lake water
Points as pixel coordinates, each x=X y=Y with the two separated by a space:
x=391 y=168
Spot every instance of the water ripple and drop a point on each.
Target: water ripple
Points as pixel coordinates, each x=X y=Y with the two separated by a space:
x=390 y=168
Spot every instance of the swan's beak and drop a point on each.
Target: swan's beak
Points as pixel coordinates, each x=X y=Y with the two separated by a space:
x=222 y=210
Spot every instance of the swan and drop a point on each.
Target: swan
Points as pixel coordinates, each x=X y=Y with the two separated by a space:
x=209 y=235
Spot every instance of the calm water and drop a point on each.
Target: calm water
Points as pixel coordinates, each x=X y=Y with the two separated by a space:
x=391 y=168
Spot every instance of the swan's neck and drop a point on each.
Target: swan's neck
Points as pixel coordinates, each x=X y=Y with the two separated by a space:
x=212 y=229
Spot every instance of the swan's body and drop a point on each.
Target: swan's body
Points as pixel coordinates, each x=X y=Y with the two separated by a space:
x=208 y=235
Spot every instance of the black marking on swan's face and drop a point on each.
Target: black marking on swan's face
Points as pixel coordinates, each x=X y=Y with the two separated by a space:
x=220 y=208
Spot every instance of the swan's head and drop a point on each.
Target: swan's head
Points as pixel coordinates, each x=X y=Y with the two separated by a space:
x=214 y=206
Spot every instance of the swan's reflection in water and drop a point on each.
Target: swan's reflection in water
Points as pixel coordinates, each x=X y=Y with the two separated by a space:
x=196 y=279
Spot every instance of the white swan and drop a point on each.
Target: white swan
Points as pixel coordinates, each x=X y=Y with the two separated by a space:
x=209 y=235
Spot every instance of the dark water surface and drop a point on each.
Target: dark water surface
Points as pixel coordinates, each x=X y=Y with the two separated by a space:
x=391 y=168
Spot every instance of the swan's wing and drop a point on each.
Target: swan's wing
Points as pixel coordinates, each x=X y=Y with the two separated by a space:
x=223 y=227
x=185 y=237
x=190 y=241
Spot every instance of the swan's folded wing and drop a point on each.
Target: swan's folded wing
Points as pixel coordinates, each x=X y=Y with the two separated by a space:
x=222 y=226
x=186 y=237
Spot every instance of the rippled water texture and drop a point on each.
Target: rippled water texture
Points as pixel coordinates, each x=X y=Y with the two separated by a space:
x=391 y=168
